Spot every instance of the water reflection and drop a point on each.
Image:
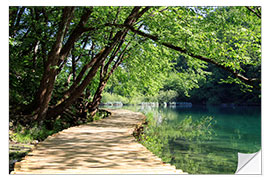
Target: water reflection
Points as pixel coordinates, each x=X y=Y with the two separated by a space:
x=202 y=140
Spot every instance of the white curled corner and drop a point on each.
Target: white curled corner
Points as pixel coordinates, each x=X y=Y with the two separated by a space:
x=249 y=163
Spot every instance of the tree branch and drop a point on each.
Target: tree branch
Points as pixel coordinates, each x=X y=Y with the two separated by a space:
x=114 y=21
x=244 y=79
x=253 y=11
x=76 y=33
x=117 y=49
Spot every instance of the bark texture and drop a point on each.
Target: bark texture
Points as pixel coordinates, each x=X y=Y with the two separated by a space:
x=80 y=84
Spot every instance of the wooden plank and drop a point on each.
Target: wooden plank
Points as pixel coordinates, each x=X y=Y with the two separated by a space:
x=102 y=147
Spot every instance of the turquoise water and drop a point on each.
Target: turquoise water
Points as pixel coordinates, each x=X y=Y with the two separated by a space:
x=203 y=140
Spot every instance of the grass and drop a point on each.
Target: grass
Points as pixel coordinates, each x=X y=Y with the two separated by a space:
x=28 y=134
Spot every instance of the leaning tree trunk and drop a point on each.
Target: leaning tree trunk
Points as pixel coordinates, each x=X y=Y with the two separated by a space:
x=47 y=82
x=78 y=89
x=57 y=56
x=75 y=94
x=105 y=75
x=58 y=109
x=93 y=107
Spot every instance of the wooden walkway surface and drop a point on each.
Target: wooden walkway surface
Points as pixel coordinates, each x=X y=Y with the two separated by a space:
x=105 y=146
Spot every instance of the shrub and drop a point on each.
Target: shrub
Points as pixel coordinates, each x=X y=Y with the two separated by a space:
x=108 y=97
x=167 y=96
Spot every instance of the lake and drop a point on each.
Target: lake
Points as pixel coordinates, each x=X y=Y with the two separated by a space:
x=200 y=139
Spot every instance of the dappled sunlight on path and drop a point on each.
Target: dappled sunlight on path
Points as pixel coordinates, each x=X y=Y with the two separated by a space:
x=102 y=147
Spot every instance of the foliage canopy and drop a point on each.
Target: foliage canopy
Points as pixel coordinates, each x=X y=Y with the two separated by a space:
x=60 y=54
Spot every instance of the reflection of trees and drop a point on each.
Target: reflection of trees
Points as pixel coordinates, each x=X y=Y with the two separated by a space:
x=184 y=145
x=187 y=144
x=199 y=144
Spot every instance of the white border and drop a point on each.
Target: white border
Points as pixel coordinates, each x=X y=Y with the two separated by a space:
x=136 y=2
x=265 y=75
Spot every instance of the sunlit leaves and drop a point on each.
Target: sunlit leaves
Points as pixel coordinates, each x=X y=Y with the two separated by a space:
x=226 y=34
x=230 y=36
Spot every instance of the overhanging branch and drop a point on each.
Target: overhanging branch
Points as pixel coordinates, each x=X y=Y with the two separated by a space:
x=253 y=11
x=249 y=81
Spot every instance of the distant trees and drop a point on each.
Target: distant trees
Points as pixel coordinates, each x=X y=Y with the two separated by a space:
x=58 y=54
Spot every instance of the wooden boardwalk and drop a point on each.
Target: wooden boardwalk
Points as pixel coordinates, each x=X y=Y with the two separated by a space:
x=105 y=146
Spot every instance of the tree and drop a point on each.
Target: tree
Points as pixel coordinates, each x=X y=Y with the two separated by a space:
x=136 y=43
x=190 y=38
x=74 y=22
x=97 y=61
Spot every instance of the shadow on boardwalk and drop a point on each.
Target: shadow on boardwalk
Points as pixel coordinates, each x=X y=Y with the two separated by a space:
x=102 y=147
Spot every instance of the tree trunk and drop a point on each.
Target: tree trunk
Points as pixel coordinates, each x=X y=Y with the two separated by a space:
x=80 y=76
x=45 y=95
x=50 y=71
x=57 y=56
x=15 y=25
x=75 y=92
x=58 y=109
x=104 y=77
x=73 y=68
x=93 y=107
